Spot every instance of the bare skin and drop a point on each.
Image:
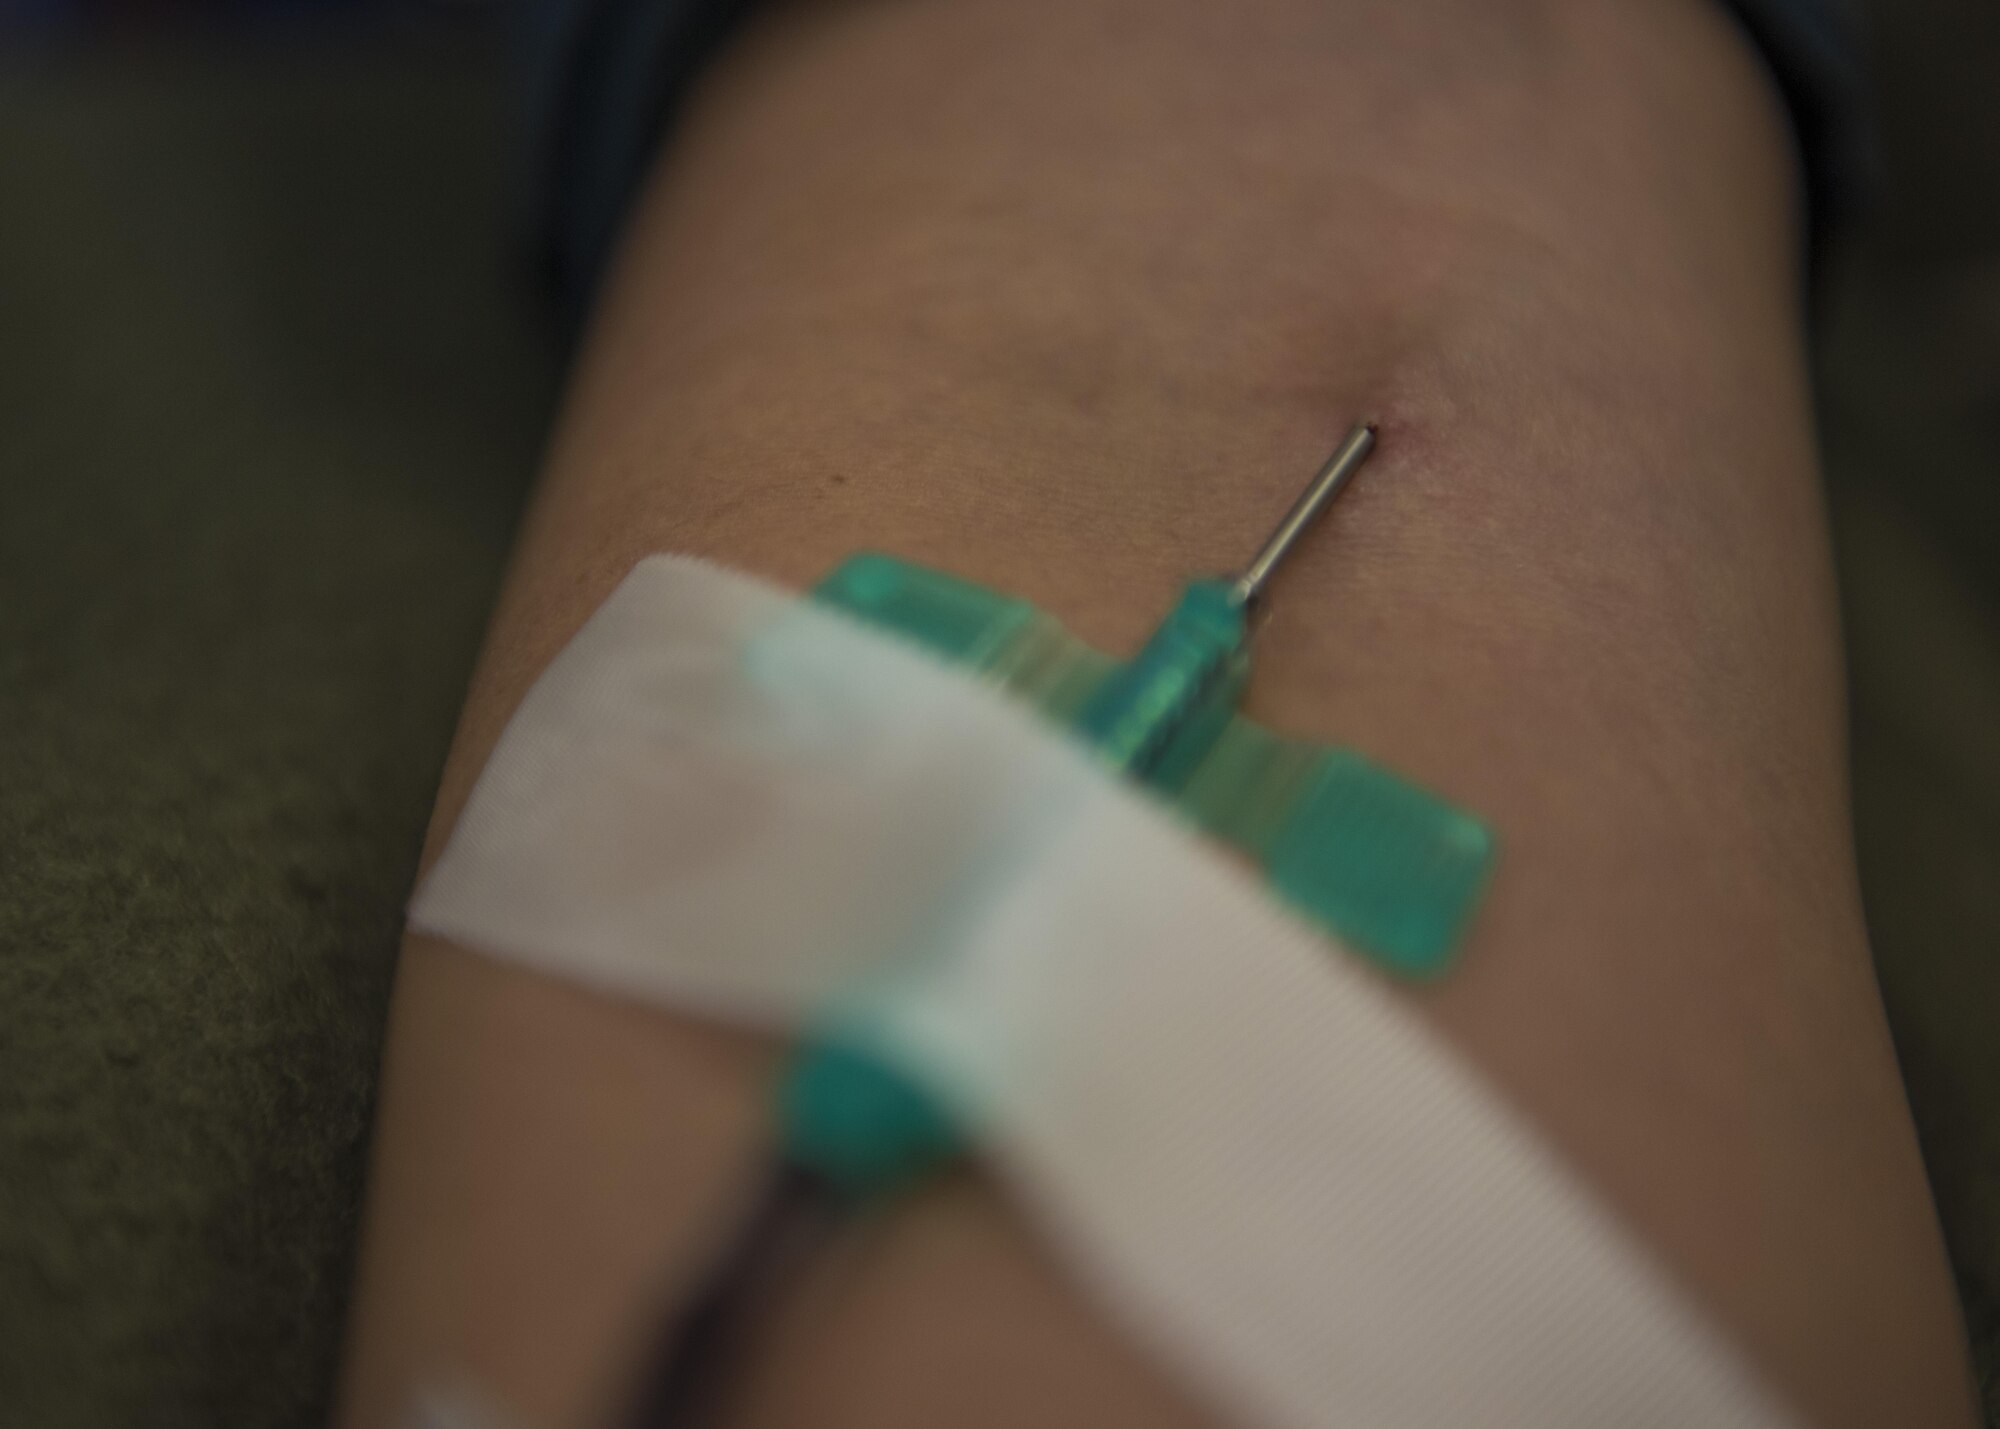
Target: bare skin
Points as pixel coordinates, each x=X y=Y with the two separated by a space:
x=1069 y=296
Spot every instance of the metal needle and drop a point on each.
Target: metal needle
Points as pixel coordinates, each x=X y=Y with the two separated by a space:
x=1332 y=478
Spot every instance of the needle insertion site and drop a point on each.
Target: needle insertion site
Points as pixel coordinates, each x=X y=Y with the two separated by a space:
x=1157 y=719
x=1332 y=479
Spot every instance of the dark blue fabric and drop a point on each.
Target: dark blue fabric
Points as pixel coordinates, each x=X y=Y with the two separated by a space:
x=608 y=75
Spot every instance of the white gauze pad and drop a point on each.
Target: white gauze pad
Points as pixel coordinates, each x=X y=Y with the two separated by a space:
x=721 y=798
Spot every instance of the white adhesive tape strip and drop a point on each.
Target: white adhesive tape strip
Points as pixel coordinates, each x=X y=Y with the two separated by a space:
x=720 y=797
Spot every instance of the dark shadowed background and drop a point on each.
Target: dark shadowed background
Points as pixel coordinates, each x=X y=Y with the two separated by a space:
x=271 y=390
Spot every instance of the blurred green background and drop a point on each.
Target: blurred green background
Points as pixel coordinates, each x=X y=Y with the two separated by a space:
x=272 y=395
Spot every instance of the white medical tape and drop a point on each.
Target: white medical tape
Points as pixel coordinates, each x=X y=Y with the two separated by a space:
x=722 y=798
